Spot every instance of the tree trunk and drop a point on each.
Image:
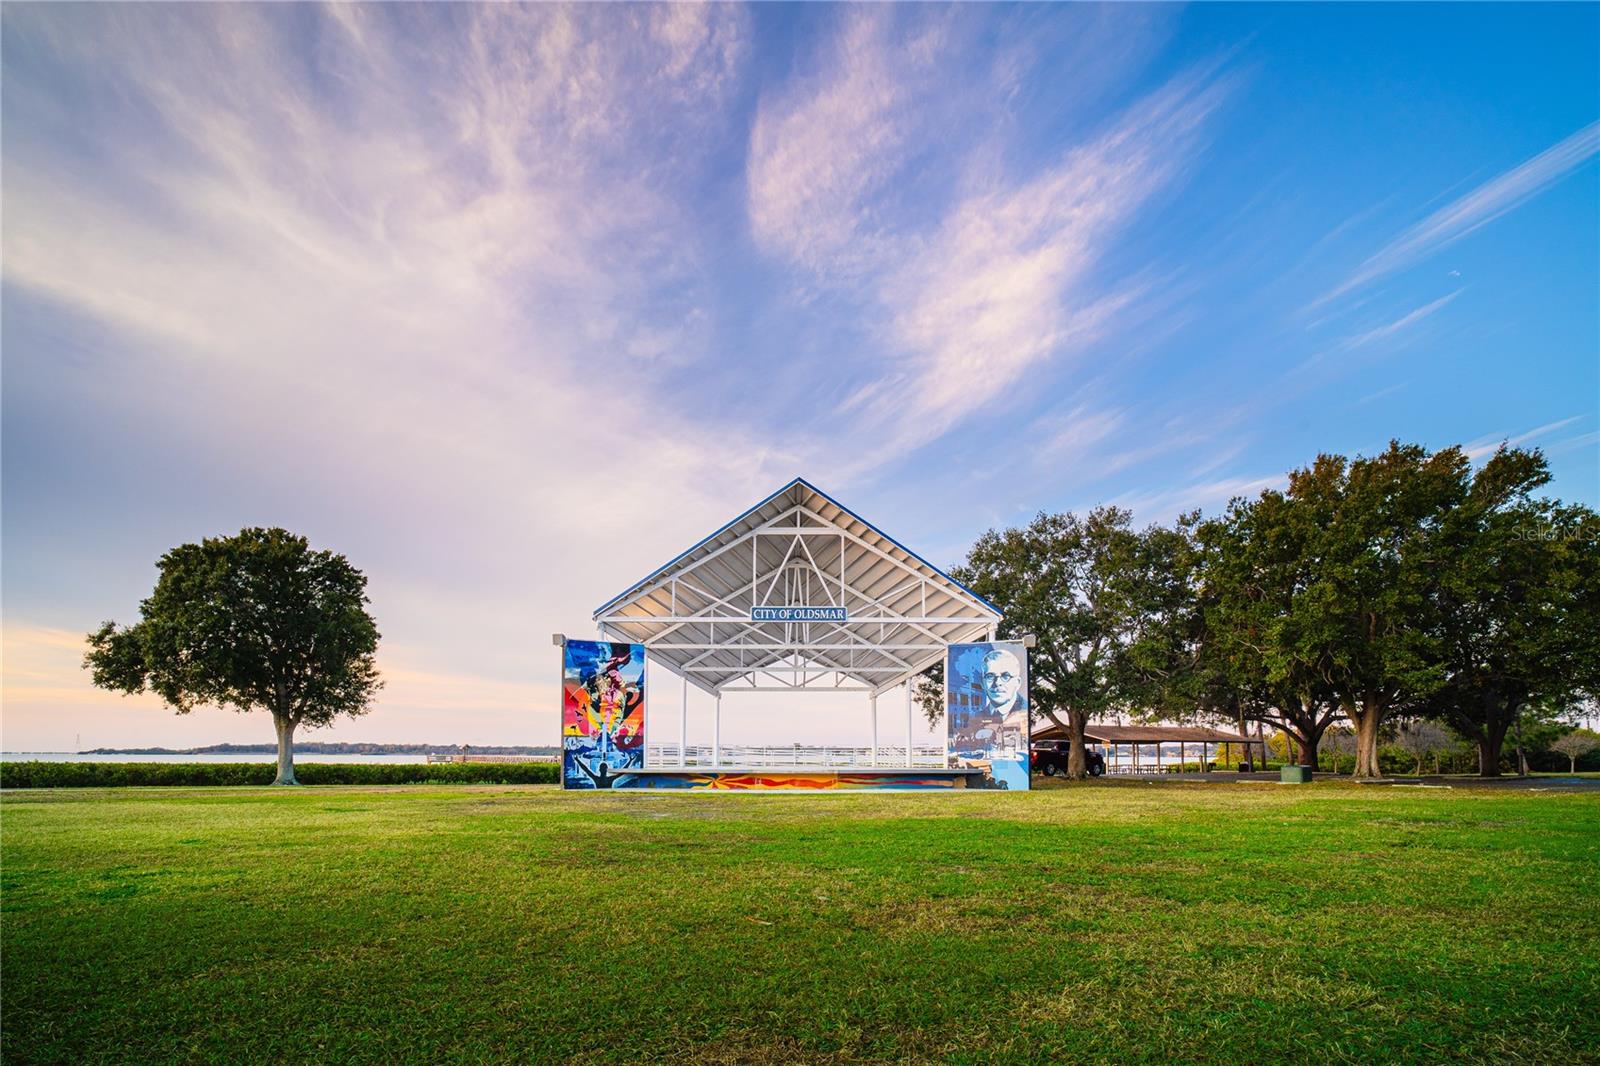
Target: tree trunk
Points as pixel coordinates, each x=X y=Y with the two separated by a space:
x=1489 y=744
x=285 y=726
x=1309 y=745
x=1572 y=764
x=1310 y=726
x=1077 y=758
x=1366 y=719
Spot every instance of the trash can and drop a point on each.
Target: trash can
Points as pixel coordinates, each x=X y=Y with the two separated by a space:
x=1295 y=775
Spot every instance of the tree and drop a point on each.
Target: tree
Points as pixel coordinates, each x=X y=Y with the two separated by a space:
x=1421 y=739
x=1250 y=658
x=1065 y=580
x=1575 y=745
x=1516 y=604
x=1339 y=567
x=1339 y=741
x=258 y=621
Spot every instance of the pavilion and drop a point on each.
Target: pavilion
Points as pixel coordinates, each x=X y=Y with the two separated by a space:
x=1138 y=737
x=797 y=595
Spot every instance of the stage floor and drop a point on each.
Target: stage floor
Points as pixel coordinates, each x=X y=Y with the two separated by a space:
x=757 y=778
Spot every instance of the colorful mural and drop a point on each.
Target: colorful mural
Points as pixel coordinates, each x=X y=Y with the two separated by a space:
x=778 y=779
x=602 y=712
x=986 y=703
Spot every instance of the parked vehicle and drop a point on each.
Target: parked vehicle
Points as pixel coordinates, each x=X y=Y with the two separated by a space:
x=1050 y=758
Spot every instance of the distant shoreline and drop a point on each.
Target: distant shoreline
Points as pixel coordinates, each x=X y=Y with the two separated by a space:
x=315 y=749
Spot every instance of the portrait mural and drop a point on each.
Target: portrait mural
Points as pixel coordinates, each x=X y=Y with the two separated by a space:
x=986 y=707
x=602 y=712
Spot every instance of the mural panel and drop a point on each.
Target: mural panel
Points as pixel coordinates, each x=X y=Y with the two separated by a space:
x=986 y=703
x=602 y=712
x=781 y=779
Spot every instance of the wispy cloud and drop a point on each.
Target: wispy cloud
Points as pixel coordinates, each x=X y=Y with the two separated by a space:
x=1476 y=209
x=825 y=145
x=1410 y=318
x=1003 y=280
x=1074 y=435
x=1211 y=496
x=1489 y=444
x=1571 y=444
x=1374 y=397
x=386 y=297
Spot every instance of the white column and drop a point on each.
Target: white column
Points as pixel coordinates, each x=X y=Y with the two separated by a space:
x=909 y=703
x=944 y=697
x=683 y=725
x=716 y=735
x=872 y=701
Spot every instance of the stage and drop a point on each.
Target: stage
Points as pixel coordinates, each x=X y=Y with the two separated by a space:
x=729 y=778
x=797 y=596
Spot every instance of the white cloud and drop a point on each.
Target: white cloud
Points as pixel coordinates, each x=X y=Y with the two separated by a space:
x=821 y=148
x=404 y=315
x=1488 y=445
x=1476 y=209
x=1389 y=329
x=1073 y=436
x=1004 y=279
x=1210 y=496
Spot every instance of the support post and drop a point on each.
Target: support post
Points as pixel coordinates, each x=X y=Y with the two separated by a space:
x=716 y=735
x=872 y=701
x=683 y=725
x=908 y=719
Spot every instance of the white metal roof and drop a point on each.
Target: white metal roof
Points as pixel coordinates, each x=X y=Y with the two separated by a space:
x=797 y=548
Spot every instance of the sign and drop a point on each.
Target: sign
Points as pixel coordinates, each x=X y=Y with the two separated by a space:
x=799 y=614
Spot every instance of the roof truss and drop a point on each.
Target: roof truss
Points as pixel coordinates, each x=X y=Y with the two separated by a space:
x=797 y=548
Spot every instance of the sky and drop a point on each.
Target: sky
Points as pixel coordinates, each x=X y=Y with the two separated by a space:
x=511 y=305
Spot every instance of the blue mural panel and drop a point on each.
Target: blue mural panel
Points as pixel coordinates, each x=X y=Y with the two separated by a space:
x=986 y=701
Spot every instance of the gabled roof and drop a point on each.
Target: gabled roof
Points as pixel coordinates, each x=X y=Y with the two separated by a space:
x=797 y=547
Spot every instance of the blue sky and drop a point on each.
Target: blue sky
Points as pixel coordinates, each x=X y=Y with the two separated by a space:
x=510 y=305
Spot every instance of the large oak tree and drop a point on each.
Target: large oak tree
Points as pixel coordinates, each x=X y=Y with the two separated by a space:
x=1066 y=580
x=1517 y=604
x=257 y=621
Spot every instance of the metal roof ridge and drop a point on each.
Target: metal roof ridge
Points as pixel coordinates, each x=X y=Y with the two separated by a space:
x=793 y=482
x=834 y=500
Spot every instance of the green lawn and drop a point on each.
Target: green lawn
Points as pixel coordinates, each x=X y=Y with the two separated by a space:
x=1128 y=922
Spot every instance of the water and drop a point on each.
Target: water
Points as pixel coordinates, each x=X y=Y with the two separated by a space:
x=229 y=756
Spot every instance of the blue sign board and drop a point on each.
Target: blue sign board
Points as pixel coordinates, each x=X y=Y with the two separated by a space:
x=799 y=614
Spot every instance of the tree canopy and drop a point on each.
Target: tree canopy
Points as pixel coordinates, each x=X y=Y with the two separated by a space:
x=257 y=621
x=1516 y=604
x=1074 y=584
x=1404 y=584
x=1326 y=587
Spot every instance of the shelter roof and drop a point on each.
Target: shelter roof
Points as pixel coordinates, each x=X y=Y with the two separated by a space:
x=876 y=612
x=1102 y=733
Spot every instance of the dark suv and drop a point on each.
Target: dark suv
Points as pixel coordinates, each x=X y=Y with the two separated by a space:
x=1050 y=758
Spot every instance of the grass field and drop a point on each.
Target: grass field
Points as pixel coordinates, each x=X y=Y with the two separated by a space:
x=1128 y=922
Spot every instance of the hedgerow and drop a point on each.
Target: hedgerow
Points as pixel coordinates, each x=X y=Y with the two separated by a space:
x=36 y=774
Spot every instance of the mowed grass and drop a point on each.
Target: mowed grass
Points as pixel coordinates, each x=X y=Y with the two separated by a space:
x=1127 y=922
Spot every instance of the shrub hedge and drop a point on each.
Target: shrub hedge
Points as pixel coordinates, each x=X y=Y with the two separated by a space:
x=36 y=774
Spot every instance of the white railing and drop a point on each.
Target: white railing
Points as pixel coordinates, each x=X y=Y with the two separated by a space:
x=475 y=757
x=806 y=756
